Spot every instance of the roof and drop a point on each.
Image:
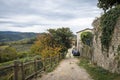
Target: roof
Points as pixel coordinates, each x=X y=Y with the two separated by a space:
x=84 y=30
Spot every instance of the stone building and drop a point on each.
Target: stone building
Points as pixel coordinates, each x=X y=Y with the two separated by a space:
x=80 y=46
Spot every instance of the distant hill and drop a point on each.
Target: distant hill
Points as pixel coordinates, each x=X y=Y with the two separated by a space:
x=6 y=36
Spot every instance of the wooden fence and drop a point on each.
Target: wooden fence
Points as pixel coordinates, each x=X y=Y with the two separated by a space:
x=28 y=70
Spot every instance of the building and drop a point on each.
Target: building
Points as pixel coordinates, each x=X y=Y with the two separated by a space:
x=79 y=42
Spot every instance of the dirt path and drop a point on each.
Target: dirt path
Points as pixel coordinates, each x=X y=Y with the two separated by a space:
x=69 y=54
x=67 y=70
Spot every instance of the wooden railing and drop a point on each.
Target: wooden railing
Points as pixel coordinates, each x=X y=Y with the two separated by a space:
x=28 y=70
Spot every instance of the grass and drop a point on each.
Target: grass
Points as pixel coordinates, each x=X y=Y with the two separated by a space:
x=51 y=68
x=22 y=47
x=98 y=73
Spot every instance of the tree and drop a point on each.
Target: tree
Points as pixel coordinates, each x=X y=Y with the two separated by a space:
x=52 y=43
x=107 y=4
x=62 y=36
x=45 y=46
x=8 y=54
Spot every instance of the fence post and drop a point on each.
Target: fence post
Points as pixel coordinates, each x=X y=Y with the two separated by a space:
x=44 y=64
x=51 y=61
x=35 y=68
x=55 y=58
x=22 y=71
x=58 y=58
x=16 y=65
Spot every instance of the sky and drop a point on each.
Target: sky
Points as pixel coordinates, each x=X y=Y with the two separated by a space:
x=40 y=15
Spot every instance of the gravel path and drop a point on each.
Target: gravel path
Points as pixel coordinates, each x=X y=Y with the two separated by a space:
x=67 y=70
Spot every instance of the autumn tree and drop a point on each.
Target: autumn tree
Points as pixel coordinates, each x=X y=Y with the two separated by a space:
x=45 y=46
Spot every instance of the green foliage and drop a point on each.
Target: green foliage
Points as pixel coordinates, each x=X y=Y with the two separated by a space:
x=22 y=54
x=97 y=73
x=14 y=51
x=7 y=54
x=87 y=38
x=20 y=46
x=52 y=43
x=108 y=21
x=62 y=36
x=106 y=4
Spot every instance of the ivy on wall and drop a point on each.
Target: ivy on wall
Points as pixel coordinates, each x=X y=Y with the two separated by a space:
x=86 y=38
x=108 y=22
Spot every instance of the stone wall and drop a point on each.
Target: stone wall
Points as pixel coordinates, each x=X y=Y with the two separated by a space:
x=108 y=60
x=86 y=51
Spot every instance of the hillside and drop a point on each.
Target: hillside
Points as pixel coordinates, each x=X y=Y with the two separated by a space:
x=6 y=36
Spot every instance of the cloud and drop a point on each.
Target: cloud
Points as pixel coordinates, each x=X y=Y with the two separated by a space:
x=39 y=15
x=77 y=24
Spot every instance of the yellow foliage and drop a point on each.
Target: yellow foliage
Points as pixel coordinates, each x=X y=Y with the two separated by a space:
x=45 y=46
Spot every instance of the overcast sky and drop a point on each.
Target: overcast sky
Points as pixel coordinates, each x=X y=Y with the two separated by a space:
x=40 y=15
